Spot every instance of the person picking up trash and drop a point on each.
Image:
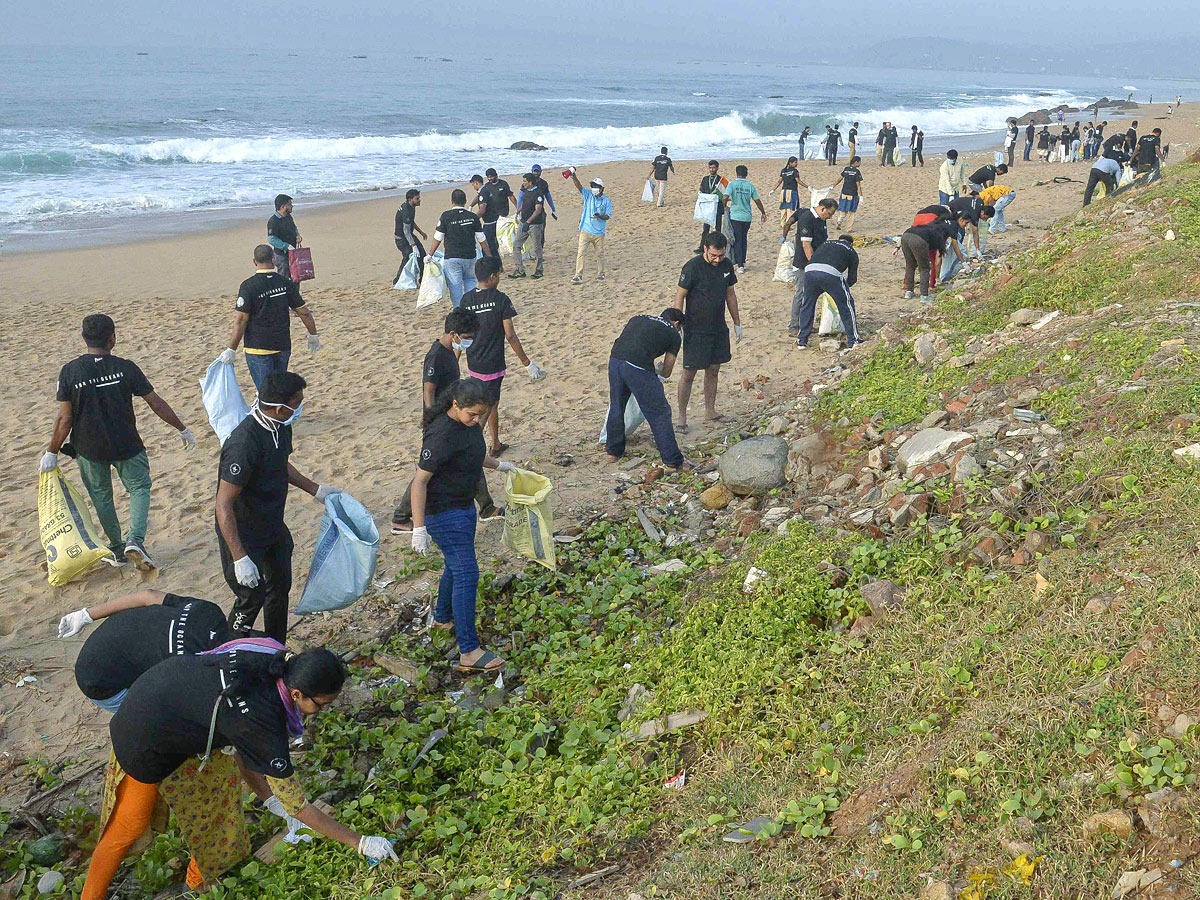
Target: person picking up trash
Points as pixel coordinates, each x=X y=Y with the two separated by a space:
x=593 y=224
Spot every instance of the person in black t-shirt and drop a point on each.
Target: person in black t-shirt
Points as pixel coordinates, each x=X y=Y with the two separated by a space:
x=659 y=168
x=261 y=320
x=492 y=204
x=452 y=461
x=282 y=234
x=852 y=139
x=833 y=270
x=531 y=224
x=705 y=291
x=406 y=234
x=851 y=192
x=439 y=373
x=252 y=487
x=985 y=176
x=95 y=410
x=789 y=179
x=1131 y=138
x=918 y=147
x=631 y=373
x=541 y=184
x=1149 y=152
x=1030 y=133
x=811 y=232
x=917 y=244
x=461 y=231
x=250 y=696
x=712 y=183
x=139 y=631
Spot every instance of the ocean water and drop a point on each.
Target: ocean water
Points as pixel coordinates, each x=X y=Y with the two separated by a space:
x=96 y=141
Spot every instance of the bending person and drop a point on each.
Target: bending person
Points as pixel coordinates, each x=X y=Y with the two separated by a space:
x=631 y=373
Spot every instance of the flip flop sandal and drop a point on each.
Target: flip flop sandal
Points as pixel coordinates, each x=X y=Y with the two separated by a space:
x=481 y=664
x=720 y=417
x=683 y=429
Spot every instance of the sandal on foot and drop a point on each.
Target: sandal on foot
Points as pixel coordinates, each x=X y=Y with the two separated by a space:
x=481 y=664
x=683 y=429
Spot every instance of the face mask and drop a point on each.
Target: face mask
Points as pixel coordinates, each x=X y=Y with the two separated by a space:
x=597 y=191
x=291 y=420
x=464 y=344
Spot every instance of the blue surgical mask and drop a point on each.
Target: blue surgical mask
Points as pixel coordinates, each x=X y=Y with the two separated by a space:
x=463 y=344
x=291 y=420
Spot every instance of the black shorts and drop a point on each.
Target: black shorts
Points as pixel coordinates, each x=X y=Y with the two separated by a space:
x=705 y=348
x=493 y=389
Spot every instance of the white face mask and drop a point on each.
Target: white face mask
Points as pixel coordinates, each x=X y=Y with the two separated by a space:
x=463 y=344
x=597 y=191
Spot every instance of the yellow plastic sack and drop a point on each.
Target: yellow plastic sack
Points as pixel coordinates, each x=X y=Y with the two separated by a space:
x=528 y=520
x=506 y=230
x=71 y=539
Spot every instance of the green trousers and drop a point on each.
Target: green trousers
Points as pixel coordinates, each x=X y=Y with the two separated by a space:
x=135 y=475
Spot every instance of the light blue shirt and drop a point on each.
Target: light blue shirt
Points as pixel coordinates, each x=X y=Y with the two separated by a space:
x=592 y=205
x=740 y=192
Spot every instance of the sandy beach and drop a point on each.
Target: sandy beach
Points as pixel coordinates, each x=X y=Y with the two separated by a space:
x=172 y=300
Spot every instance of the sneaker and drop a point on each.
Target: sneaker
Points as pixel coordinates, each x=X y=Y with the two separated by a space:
x=520 y=273
x=741 y=270
x=908 y=295
x=601 y=277
x=927 y=299
x=405 y=527
x=118 y=556
x=538 y=275
x=578 y=279
x=792 y=332
x=136 y=554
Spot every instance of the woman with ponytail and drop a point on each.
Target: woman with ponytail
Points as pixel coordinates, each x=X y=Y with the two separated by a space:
x=248 y=694
x=453 y=457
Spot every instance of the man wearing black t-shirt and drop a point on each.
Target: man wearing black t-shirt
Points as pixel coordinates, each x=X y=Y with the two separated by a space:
x=852 y=139
x=811 y=232
x=631 y=373
x=1030 y=132
x=282 y=234
x=833 y=270
x=1115 y=145
x=658 y=171
x=1149 y=152
x=492 y=204
x=95 y=410
x=461 y=231
x=531 y=224
x=712 y=183
x=262 y=323
x=1131 y=138
x=985 y=176
x=406 y=234
x=705 y=291
x=252 y=488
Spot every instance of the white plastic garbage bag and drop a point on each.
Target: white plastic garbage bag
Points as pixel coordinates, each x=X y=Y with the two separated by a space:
x=784 y=270
x=998 y=157
x=816 y=195
x=223 y=400
x=344 y=562
x=648 y=192
x=410 y=277
x=706 y=209
x=831 y=321
x=506 y=230
x=433 y=284
x=1126 y=176
x=633 y=418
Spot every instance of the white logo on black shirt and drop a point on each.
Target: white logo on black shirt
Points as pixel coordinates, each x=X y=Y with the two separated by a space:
x=241 y=302
x=235 y=469
x=279 y=764
x=425 y=454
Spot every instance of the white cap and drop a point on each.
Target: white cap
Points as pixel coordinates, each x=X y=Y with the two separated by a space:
x=598 y=182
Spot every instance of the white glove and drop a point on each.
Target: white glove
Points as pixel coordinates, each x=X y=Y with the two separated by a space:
x=275 y=806
x=226 y=356
x=376 y=848
x=506 y=466
x=246 y=572
x=420 y=540
x=662 y=379
x=188 y=440
x=737 y=331
x=314 y=343
x=73 y=623
x=49 y=462
x=324 y=491
x=536 y=372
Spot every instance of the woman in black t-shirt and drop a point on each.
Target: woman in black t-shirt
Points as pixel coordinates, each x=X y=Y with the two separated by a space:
x=249 y=694
x=453 y=457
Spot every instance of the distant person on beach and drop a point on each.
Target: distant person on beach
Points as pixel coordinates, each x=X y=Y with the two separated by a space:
x=832 y=143
x=282 y=234
x=531 y=224
x=97 y=426
x=1011 y=134
x=593 y=225
x=1030 y=134
x=254 y=473
x=891 y=140
x=950 y=177
x=833 y=270
x=1098 y=138
x=1064 y=145
x=803 y=140
x=1105 y=171
x=485 y=354
x=407 y=230
x=632 y=373
x=998 y=197
x=713 y=183
x=852 y=139
x=1043 y=143
x=706 y=290
x=461 y=231
x=985 y=176
x=811 y=233
x=1076 y=143
x=789 y=178
x=491 y=204
x=1149 y=153
x=738 y=196
x=917 y=147
x=849 y=191
x=1089 y=135
x=262 y=322
x=659 y=169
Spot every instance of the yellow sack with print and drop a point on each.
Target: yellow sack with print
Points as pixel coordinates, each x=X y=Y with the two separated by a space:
x=528 y=520
x=72 y=541
x=506 y=230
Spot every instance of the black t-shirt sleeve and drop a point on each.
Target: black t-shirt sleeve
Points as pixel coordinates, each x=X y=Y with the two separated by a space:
x=507 y=310
x=806 y=227
x=64 y=385
x=261 y=741
x=687 y=276
x=436 y=450
x=238 y=460
x=294 y=300
x=178 y=601
x=674 y=343
x=139 y=384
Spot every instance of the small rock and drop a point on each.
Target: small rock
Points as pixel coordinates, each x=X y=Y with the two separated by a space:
x=668 y=567
x=635 y=699
x=1115 y=822
x=1180 y=726
x=716 y=497
x=1187 y=457
x=829 y=346
x=882 y=596
x=1037 y=542
x=862 y=516
x=877 y=458
x=50 y=882
x=1169 y=235
x=961 y=361
x=928 y=347
x=776 y=514
x=862 y=625
x=1127 y=883
x=937 y=890
x=753 y=577
x=777 y=425
x=842 y=483
x=1026 y=316
x=406 y=670
x=935 y=418
x=967 y=467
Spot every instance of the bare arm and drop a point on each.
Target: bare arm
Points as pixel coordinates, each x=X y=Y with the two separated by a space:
x=668 y=364
x=226 y=523
x=515 y=342
x=307 y=318
x=575 y=180
x=62 y=426
x=762 y=209
x=304 y=483
x=433 y=247
x=680 y=296
x=420 y=486
x=129 y=601
x=323 y=823
x=428 y=392
x=240 y=321
x=163 y=410
x=732 y=305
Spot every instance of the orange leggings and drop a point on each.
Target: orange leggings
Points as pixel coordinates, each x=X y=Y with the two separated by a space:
x=129 y=820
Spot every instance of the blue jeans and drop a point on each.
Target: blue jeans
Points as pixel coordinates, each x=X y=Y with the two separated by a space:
x=944 y=198
x=263 y=364
x=1028 y=150
x=738 y=251
x=460 y=277
x=454 y=533
x=997 y=223
x=624 y=381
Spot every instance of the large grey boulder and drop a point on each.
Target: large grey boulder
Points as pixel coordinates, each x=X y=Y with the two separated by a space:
x=755 y=465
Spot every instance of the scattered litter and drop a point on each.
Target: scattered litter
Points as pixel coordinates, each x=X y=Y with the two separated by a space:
x=1028 y=415
x=676 y=782
x=593 y=876
x=748 y=831
x=432 y=741
x=753 y=577
x=673 y=722
x=1045 y=320
x=27 y=679
x=651 y=532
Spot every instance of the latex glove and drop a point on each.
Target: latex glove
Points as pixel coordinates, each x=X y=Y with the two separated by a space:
x=246 y=572
x=324 y=491
x=314 y=343
x=188 y=440
x=737 y=331
x=420 y=540
x=73 y=623
x=49 y=462
x=536 y=372
x=662 y=379
x=378 y=848
x=226 y=356
x=294 y=825
x=506 y=466
x=428 y=259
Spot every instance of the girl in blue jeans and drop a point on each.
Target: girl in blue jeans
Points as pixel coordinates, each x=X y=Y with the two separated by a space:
x=453 y=457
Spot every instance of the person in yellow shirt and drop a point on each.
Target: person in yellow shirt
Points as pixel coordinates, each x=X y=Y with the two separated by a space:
x=1000 y=197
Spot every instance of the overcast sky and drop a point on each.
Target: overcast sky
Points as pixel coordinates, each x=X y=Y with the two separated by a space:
x=678 y=26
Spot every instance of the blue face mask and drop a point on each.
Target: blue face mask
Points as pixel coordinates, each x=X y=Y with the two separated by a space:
x=291 y=420
x=460 y=345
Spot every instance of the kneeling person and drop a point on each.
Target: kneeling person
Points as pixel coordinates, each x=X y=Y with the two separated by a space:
x=631 y=373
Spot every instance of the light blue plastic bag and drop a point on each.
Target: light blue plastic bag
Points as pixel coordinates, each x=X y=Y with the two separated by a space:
x=223 y=400
x=633 y=418
x=344 y=562
x=409 y=279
